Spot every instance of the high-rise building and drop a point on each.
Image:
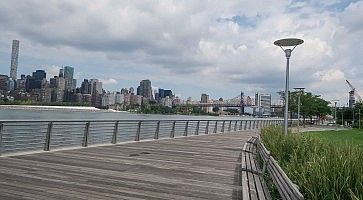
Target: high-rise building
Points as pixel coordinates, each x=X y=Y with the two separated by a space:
x=162 y=93
x=3 y=82
x=204 y=98
x=145 y=89
x=68 y=76
x=263 y=103
x=86 y=87
x=14 y=59
x=96 y=91
x=36 y=80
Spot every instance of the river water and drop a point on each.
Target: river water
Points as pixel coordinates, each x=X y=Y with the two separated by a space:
x=16 y=113
x=27 y=136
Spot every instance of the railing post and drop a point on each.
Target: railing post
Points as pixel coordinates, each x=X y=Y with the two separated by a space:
x=230 y=126
x=114 y=136
x=258 y=123
x=250 y=126
x=137 y=137
x=207 y=128
x=235 y=126
x=186 y=128
x=172 y=130
x=197 y=128
x=245 y=128
x=224 y=122
x=240 y=125
x=85 y=135
x=215 y=127
x=254 y=124
x=1 y=138
x=47 y=137
x=156 y=136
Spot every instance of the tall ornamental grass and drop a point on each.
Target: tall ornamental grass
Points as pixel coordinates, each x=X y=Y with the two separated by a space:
x=322 y=169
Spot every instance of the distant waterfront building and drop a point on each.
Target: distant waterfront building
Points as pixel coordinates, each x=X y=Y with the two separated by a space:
x=74 y=84
x=162 y=93
x=119 y=98
x=96 y=91
x=36 y=80
x=3 y=82
x=20 y=83
x=263 y=103
x=108 y=99
x=68 y=76
x=145 y=89
x=11 y=85
x=168 y=102
x=205 y=99
x=14 y=59
x=86 y=87
x=57 y=85
x=136 y=100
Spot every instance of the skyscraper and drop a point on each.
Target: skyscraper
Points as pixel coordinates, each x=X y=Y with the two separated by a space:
x=68 y=76
x=263 y=103
x=145 y=89
x=14 y=60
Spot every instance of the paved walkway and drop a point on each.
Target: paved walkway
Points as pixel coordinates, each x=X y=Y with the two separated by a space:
x=196 y=167
x=317 y=128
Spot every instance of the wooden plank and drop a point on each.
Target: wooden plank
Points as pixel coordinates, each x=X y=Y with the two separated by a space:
x=286 y=185
x=251 y=184
x=197 y=167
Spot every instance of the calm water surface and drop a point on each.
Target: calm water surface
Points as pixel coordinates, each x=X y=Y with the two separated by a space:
x=60 y=114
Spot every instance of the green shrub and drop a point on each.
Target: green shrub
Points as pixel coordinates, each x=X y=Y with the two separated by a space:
x=322 y=169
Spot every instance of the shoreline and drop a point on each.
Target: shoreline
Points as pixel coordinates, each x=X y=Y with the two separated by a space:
x=81 y=108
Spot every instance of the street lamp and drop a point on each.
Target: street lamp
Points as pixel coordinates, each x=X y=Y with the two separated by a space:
x=289 y=42
x=335 y=113
x=343 y=116
x=299 y=89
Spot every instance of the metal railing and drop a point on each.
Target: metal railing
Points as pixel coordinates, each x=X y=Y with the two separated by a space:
x=38 y=135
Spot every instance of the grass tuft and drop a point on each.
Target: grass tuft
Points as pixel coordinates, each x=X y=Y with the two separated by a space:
x=321 y=168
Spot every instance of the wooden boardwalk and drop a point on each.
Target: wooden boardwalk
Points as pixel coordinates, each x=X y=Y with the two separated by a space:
x=197 y=167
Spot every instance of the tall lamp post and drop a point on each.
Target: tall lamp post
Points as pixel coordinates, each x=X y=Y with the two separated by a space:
x=335 y=113
x=343 y=116
x=288 y=42
x=299 y=89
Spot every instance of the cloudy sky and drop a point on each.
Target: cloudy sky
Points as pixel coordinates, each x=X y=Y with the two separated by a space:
x=192 y=47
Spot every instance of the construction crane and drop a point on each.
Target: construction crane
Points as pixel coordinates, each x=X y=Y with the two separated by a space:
x=352 y=94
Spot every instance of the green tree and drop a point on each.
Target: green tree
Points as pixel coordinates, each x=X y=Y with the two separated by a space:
x=310 y=105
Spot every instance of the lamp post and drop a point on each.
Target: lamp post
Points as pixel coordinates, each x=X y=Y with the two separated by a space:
x=359 y=119
x=343 y=116
x=335 y=113
x=299 y=89
x=288 y=42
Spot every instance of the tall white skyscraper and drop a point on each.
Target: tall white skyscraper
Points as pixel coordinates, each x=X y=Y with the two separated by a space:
x=14 y=60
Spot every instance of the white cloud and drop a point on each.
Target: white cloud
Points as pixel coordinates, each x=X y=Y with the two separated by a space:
x=109 y=81
x=183 y=43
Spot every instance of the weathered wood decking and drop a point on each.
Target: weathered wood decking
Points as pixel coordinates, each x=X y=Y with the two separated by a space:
x=201 y=167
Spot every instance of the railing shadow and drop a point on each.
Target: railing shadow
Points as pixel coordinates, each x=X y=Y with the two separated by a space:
x=237 y=181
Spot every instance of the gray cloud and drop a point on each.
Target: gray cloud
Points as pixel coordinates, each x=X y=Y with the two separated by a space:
x=206 y=40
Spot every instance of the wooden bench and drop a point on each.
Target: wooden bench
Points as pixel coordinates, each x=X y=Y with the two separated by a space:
x=253 y=184
x=287 y=189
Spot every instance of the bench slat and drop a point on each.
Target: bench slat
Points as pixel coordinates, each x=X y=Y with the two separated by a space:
x=245 y=188
x=285 y=183
x=257 y=181
x=251 y=184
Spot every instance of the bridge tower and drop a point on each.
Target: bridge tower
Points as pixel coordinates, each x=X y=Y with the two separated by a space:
x=242 y=105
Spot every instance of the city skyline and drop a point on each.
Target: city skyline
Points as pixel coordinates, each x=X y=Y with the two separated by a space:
x=216 y=48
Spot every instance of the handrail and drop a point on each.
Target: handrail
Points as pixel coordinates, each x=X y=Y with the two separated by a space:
x=45 y=135
x=128 y=120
